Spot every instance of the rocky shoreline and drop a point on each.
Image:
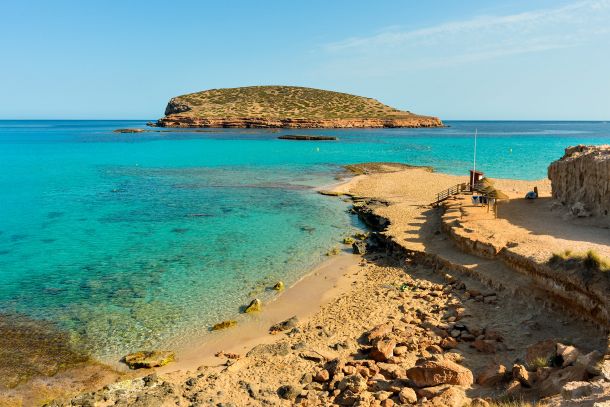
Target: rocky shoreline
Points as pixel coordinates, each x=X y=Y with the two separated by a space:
x=414 y=326
x=181 y=120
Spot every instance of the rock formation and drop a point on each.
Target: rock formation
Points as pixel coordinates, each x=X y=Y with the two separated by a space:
x=581 y=179
x=285 y=107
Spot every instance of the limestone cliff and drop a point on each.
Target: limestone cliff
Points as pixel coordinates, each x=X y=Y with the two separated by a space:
x=582 y=176
x=285 y=107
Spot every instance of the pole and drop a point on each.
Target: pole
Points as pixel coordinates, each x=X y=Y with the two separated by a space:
x=474 y=165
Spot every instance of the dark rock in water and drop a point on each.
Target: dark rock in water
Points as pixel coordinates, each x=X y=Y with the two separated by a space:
x=304 y=137
x=284 y=325
x=289 y=392
x=54 y=215
x=308 y=229
x=17 y=237
x=3 y=252
x=148 y=359
x=359 y=247
x=179 y=230
x=48 y=240
x=129 y=131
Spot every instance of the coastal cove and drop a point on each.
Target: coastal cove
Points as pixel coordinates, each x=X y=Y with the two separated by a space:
x=130 y=241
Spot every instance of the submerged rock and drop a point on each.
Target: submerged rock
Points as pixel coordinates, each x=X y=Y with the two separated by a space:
x=224 y=325
x=129 y=131
x=148 y=359
x=306 y=137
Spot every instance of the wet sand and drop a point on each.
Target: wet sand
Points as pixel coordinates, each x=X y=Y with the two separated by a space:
x=302 y=300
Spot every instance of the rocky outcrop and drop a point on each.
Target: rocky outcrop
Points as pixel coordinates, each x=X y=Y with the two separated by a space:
x=184 y=120
x=148 y=359
x=581 y=179
x=306 y=137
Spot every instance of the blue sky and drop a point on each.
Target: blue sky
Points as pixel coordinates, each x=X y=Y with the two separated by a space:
x=457 y=60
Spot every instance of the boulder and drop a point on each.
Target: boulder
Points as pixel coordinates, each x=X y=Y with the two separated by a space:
x=148 y=359
x=255 y=305
x=431 y=392
x=284 y=325
x=353 y=383
x=359 y=247
x=379 y=332
x=433 y=373
x=322 y=376
x=557 y=379
x=492 y=375
x=520 y=373
x=289 y=392
x=279 y=286
x=568 y=354
x=407 y=396
x=383 y=350
x=454 y=396
x=576 y=390
x=589 y=362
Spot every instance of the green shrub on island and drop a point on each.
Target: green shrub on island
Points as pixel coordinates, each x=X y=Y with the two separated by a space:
x=348 y=240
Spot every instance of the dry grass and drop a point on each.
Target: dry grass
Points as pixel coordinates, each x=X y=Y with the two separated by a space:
x=589 y=261
x=285 y=101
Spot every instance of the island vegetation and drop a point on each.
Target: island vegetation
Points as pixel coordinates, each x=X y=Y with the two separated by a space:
x=285 y=106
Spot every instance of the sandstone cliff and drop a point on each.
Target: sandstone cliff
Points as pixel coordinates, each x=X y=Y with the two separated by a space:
x=285 y=107
x=582 y=178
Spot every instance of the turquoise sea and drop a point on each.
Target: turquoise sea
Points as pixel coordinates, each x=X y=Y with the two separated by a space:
x=130 y=241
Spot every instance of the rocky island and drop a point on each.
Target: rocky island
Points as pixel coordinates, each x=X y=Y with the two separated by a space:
x=285 y=107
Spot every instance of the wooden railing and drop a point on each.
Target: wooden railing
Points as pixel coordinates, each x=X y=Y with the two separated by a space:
x=454 y=190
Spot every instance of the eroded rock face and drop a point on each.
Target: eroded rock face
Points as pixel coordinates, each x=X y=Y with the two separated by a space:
x=581 y=178
x=184 y=120
x=148 y=359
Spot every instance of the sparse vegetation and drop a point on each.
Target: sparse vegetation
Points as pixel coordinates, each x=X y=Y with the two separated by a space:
x=589 y=261
x=283 y=101
x=540 y=363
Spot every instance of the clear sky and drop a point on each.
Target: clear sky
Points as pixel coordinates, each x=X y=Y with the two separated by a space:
x=476 y=59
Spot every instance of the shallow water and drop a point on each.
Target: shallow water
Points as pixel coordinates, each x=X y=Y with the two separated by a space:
x=130 y=241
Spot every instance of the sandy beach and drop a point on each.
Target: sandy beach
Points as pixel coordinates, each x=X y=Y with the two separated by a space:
x=378 y=317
